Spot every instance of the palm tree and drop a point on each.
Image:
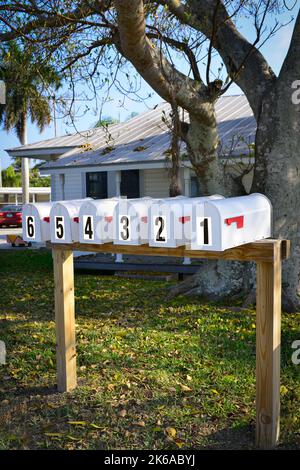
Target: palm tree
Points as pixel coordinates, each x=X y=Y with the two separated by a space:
x=27 y=80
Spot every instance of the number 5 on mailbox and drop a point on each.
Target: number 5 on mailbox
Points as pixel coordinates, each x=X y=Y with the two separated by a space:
x=59 y=227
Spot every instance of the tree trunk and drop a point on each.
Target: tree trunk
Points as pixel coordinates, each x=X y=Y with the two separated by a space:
x=277 y=174
x=216 y=279
x=174 y=173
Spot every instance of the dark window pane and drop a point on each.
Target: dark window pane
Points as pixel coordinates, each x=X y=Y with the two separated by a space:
x=96 y=185
x=130 y=183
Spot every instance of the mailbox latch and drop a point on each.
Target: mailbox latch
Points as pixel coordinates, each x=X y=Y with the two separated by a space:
x=239 y=220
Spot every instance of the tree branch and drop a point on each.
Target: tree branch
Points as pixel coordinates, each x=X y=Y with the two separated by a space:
x=162 y=76
x=291 y=64
x=255 y=74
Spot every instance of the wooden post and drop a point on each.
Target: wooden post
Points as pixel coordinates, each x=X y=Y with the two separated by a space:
x=268 y=314
x=64 y=319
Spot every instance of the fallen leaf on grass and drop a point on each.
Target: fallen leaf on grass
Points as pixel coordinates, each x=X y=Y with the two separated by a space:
x=170 y=432
x=179 y=443
x=185 y=388
x=78 y=423
x=141 y=424
x=96 y=426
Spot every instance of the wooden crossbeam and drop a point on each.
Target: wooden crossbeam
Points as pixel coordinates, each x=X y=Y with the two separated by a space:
x=262 y=250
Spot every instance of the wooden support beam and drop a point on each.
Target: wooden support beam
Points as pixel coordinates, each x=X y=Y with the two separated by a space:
x=262 y=250
x=64 y=319
x=268 y=328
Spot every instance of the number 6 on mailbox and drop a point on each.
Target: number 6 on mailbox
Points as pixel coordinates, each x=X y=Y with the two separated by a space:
x=30 y=227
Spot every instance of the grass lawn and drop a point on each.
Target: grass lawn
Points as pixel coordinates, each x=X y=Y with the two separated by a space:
x=153 y=374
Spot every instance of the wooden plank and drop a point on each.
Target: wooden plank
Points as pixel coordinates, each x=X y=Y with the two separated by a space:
x=64 y=319
x=262 y=250
x=268 y=332
x=138 y=267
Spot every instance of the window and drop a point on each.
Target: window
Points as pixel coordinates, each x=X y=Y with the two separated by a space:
x=195 y=186
x=96 y=185
x=130 y=183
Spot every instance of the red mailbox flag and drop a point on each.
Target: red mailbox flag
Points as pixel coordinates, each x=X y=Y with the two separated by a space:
x=239 y=220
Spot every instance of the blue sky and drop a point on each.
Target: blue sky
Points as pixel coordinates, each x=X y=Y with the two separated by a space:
x=274 y=50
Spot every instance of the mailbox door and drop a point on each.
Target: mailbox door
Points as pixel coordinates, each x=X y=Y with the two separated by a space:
x=87 y=233
x=60 y=224
x=31 y=225
x=161 y=225
x=36 y=222
x=126 y=229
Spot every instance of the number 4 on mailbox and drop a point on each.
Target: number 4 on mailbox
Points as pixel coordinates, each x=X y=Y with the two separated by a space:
x=88 y=227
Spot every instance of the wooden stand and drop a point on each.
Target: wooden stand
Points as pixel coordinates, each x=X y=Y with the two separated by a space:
x=268 y=254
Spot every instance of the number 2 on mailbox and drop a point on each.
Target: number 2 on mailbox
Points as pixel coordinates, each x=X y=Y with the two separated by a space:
x=160 y=228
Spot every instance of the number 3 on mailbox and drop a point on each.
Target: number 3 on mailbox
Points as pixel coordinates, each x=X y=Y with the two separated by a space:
x=124 y=227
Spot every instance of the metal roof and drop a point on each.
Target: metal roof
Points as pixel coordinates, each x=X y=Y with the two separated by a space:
x=143 y=139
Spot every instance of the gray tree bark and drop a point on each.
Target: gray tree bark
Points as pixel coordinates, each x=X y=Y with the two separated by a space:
x=277 y=170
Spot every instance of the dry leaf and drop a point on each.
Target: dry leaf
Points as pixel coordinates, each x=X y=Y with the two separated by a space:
x=141 y=424
x=185 y=388
x=171 y=432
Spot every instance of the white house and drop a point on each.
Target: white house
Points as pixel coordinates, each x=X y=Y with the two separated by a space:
x=130 y=158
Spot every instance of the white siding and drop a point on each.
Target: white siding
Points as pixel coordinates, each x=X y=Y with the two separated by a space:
x=56 y=188
x=73 y=188
x=73 y=185
x=156 y=183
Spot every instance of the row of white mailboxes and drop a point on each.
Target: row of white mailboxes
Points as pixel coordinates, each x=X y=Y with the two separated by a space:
x=203 y=223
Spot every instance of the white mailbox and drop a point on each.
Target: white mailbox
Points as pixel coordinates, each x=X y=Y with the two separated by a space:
x=170 y=220
x=36 y=222
x=131 y=221
x=222 y=224
x=64 y=221
x=96 y=221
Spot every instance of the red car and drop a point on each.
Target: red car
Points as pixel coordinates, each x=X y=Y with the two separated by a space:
x=11 y=216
